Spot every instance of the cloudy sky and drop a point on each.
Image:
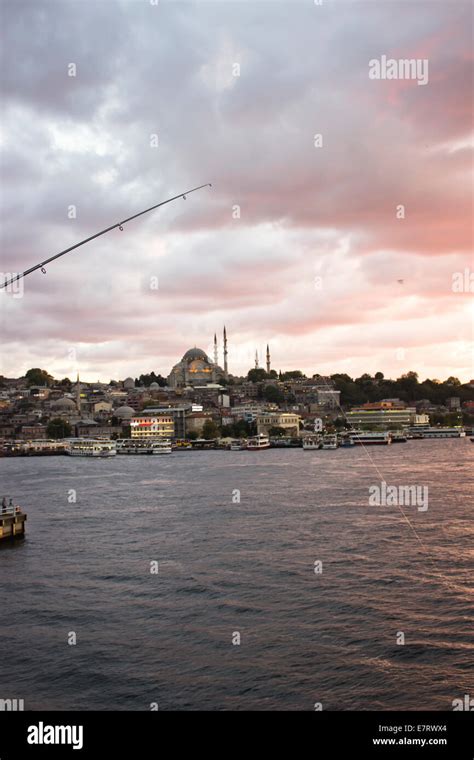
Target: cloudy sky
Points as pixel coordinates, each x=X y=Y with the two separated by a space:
x=301 y=242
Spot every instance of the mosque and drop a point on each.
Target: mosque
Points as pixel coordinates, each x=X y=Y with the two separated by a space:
x=195 y=368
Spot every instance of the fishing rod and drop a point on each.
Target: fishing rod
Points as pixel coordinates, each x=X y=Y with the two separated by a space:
x=42 y=264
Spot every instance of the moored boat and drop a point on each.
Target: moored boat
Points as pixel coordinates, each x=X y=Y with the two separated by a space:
x=442 y=432
x=398 y=436
x=372 y=437
x=143 y=446
x=329 y=442
x=311 y=443
x=258 y=442
x=346 y=442
x=90 y=447
x=237 y=445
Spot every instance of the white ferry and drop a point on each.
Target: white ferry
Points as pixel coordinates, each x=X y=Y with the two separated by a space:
x=329 y=442
x=143 y=446
x=258 y=442
x=435 y=432
x=90 y=447
x=372 y=437
x=311 y=443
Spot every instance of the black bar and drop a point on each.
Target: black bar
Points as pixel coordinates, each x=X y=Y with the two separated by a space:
x=304 y=734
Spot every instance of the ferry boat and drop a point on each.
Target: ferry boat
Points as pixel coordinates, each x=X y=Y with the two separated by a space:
x=372 y=437
x=90 y=447
x=311 y=443
x=143 y=446
x=435 y=432
x=398 y=436
x=329 y=442
x=258 y=442
x=237 y=445
x=346 y=443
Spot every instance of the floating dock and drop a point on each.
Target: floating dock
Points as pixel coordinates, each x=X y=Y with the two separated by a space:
x=12 y=525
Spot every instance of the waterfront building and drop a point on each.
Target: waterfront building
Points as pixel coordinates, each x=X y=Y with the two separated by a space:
x=30 y=432
x=7 y=430
x=177 y=413
x=152 y=426
x=195 y=421
x=250 y=412
x=386 y=417
x=88 y=428
x=289 y=422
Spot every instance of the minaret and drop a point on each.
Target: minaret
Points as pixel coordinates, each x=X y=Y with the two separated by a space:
x=226 y=371
x=216 y=358
x=78 y=395
x=268 y=360
x=256 y=359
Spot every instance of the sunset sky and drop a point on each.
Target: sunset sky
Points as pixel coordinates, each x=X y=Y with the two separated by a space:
x=312 y=260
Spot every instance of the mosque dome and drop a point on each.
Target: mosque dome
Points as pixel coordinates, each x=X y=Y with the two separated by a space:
x=124 y=412
x=64 y=404
x=154 y=386
x=129 y=382
x=195 y=353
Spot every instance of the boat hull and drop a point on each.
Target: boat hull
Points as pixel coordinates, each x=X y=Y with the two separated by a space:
x=95 y=454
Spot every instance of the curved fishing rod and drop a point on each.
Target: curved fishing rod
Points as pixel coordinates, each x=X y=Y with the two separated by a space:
x=41 y=265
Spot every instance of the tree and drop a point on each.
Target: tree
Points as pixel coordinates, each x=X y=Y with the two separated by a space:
x=58 y=428
x=408 y=386
x=210 y=430
x=256 y=375
x=365 y=380
x=378 y=376
x=273 y=394
x=295 y=374
x=191 y=436
x=38 y=376
x=453 y=381
x=150 y=378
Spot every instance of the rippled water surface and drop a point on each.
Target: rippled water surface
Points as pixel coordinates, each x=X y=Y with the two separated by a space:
x=248 y=567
